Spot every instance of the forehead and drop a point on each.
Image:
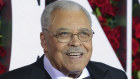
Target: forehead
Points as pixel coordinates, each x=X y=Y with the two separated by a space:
x=71 y=19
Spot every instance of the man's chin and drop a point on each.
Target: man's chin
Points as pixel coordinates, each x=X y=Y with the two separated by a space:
x=76 y=67
x=74 y=74
x=75 y=70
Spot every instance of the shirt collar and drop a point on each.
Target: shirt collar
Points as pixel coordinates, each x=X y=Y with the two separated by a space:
x=56 y=74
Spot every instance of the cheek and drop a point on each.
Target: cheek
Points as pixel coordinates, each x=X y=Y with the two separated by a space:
x=60 y=47
x=88 y=46
x=55 y=49
x=51 y=43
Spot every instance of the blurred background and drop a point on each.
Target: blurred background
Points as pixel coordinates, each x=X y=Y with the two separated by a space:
x=116 y=41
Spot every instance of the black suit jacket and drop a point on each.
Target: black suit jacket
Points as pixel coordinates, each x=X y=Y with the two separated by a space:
x=37 y=71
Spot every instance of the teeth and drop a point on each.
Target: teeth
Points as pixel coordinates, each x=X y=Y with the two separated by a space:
x=74 y=54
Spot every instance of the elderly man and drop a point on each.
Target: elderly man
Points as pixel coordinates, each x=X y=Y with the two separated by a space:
x=66 y=39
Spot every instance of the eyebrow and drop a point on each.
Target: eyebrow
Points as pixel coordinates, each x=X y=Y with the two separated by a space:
x=66 y=29
x=62 y=29
x=84 y=29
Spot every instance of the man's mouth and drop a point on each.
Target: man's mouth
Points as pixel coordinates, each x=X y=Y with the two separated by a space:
x=74 y=55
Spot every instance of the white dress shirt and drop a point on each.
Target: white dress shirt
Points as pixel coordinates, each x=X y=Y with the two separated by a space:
x=56 y=74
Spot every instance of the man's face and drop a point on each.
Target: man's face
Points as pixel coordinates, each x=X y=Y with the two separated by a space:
x=73 y=22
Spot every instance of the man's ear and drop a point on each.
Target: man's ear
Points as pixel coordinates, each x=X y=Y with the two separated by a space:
x=43 y=41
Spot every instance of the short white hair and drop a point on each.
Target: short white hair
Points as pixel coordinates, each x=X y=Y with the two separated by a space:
x=63 y=4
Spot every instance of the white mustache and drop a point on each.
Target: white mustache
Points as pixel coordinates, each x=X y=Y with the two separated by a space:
x=75 y=49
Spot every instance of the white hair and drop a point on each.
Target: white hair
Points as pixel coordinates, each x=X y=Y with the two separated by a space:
x=63 y=4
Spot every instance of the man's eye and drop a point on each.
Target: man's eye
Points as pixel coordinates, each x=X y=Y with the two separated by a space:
x=84 y=33
x=63 y=34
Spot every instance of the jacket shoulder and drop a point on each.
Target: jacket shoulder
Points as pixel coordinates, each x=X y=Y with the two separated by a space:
x=103 y=66
x=111 y=72
x=20 y=73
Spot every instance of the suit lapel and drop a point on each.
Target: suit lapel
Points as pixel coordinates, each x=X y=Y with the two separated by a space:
x=38 y=71
x=96 y=72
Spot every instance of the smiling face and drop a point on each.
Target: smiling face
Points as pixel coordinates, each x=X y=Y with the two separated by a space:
x=63 y=55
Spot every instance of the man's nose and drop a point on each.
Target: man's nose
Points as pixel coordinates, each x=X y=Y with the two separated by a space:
x=75 y=41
